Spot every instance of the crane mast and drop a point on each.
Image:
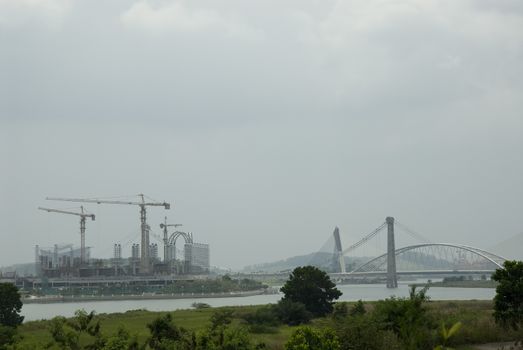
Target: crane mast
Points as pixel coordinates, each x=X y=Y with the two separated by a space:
x=82 y=216
x=145 y=263
x=166 y=238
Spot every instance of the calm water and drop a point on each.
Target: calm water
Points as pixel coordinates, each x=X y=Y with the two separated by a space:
x=366 y=292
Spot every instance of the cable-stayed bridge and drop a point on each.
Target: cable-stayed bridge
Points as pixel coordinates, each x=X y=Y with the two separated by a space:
x=426 y=258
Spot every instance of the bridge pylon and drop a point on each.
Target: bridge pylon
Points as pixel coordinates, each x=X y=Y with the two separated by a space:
x=392 y=277
x=338 y=251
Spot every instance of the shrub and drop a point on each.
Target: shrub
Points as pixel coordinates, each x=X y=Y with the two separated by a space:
x=362 y=332
x=7 y=336
x=166 y=335
x=408 y=319
x=221 y=317
x=199 y=306
x=292 y=313
x=306 y=338
x=262 y=320
x=358 y=309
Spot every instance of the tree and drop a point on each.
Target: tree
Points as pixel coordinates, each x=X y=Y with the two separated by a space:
x=508 y=302
x=10 y=305
x=313 y=288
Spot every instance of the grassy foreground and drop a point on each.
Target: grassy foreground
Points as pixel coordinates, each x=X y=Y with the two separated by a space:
x=476 y=316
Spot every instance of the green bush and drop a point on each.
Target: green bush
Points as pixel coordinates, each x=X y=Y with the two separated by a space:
x=363 y=332
x=164 y=333
x=66 y=333
x=306 y=338
x=292 y=313
x=262 y=320
x=408 y=319
x=358 y=309
x=340 y=311
x=7 y=336
x=199 y=306
x=221 y=317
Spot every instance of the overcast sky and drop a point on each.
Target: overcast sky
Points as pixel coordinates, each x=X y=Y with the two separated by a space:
x=265 y=122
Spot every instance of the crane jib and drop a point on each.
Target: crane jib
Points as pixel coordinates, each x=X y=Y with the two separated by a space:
x=99 y=201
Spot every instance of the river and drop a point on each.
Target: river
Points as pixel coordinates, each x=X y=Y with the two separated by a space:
x=365 y=292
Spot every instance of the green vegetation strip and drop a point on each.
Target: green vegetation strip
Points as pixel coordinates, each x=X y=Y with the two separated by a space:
x=476 y=316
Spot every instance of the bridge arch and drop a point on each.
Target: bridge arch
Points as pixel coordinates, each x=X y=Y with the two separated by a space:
x=450 y=256
x=177 y=234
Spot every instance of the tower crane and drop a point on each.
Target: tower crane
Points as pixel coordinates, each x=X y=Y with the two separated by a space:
x=166 y=238
x=82 y=216
x=144 y=259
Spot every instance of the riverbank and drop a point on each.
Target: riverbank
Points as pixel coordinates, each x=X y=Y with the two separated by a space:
x=145 y=296
x=459 y=284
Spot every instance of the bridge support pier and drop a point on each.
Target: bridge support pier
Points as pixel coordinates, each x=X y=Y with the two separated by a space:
x=392 y=278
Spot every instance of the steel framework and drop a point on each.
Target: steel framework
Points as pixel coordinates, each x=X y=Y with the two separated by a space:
x=436 y=256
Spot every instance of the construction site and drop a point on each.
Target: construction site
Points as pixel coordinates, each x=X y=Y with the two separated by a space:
x=142 y=259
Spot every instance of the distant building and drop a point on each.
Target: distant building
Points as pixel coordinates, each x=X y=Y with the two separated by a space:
x=117 y=251
x=197 y=257
x=153 y=251
x=171 y=253
x=135 y=251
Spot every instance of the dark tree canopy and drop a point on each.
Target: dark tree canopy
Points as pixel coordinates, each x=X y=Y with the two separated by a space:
x=508 y=302
x=10 y=305
x=292 y=313
x=313 y=288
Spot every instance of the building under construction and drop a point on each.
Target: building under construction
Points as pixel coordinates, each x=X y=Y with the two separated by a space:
x=143 y=258
x=58 y=261
x=64 y=261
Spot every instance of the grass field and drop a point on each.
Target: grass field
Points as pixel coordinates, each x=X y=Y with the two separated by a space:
x=478 y=325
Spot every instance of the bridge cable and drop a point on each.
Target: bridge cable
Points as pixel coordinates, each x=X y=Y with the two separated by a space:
x=365 y=239
x=316 y=258
x=412 y=233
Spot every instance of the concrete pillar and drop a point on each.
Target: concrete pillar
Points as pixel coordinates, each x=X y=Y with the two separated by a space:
x=392 y=278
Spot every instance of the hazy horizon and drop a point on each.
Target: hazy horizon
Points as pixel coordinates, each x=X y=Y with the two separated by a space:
x=265 y=124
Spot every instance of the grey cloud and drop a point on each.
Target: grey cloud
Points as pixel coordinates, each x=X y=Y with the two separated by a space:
x=324 y=113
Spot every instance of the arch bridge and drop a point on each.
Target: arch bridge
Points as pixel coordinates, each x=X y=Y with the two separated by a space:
x=423 y=259
x=434 y=258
